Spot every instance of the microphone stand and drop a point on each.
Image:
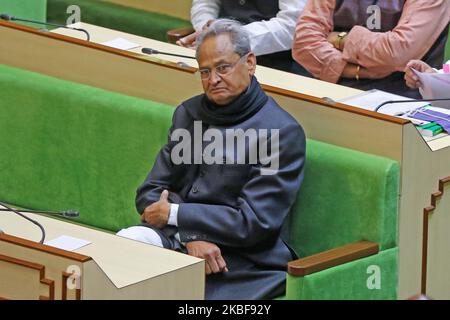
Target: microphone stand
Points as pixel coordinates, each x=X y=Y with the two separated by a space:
x=29 y=219
x=407 y=101
x=8 y=18
x=153 y=51
x=68 y=214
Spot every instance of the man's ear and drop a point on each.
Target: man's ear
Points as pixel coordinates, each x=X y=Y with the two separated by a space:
x=251 y=63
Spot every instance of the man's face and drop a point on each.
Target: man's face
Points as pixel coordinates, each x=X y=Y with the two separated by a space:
x=218 y=52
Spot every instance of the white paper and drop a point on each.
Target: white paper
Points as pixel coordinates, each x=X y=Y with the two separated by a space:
x=435 y=86
x=67 y=243
x=371 y=99
x=120 y=43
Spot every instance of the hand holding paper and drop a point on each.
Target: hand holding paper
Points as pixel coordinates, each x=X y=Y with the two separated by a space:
x=435 y=86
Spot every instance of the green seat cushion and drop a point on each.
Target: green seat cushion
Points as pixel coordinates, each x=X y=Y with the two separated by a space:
x=374 y=277
x=71 y=146
x=346 y=196
x=25 y=9
x=117 y=17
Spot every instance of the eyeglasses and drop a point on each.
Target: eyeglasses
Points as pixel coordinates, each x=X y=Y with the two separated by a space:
x=221 y=70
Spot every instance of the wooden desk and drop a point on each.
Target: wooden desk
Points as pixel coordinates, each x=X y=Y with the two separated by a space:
x=267 y=76
x=111 y=267
x=423 y=247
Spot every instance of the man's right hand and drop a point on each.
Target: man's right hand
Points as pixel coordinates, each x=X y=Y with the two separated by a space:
x=411 y=79
x=211 y=253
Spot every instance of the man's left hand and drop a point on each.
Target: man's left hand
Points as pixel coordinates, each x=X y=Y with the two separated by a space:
x=157 y=214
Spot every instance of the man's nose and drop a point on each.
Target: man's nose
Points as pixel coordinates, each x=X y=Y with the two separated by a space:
x=214 y=78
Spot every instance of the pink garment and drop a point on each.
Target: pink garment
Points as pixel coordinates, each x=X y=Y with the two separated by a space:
x=446 y=68
x=420 y=25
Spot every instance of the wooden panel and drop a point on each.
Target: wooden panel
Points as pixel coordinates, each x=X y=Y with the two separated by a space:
x=346 y=128
x=175 y=8
x=421 y=170
x=18 y=274
x=65 y=291
x=107 y=69
x=55 y=266
x=436 y=248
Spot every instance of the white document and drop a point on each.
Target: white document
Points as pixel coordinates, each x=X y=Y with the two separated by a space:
x=120 y=43
x=371 y=99
x=67 y=243
x=435 y=86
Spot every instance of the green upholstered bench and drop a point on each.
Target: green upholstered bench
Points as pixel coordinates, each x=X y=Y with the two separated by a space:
x=70 y=146
x=139 y=22
x=347 y=196
x=66 y=145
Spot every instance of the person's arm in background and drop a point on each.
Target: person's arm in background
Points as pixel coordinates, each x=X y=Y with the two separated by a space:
x=202 y=12
x=420 y=25
x=311 y=47
x=277 y=33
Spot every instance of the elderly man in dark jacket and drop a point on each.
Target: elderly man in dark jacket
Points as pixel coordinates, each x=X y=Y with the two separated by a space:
x=223 y=185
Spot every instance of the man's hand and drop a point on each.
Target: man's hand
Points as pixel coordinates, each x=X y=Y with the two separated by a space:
x=334 y=39
x=157 y=214
x=189 y=41
x=411 y=79
x=211 y=253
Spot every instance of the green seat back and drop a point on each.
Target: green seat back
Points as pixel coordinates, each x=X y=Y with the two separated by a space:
x=117 y=17
x=25 y=9
x=70 y=146
x=346 y=196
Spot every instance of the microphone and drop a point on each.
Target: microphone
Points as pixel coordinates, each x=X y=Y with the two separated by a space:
x=7 y=17
x=66 y=214
x=407 y=101
x=153 y=51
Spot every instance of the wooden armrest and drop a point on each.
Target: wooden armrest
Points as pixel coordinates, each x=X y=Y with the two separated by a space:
x=176 y=34
x=331 y=258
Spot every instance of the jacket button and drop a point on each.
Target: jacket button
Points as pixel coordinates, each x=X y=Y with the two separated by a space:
x=194 y=189
x=241 y=2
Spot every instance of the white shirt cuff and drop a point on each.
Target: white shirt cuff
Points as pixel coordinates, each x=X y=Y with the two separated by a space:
x=173 y=215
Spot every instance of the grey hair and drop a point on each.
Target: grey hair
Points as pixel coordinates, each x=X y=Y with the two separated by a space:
x=238 y=35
